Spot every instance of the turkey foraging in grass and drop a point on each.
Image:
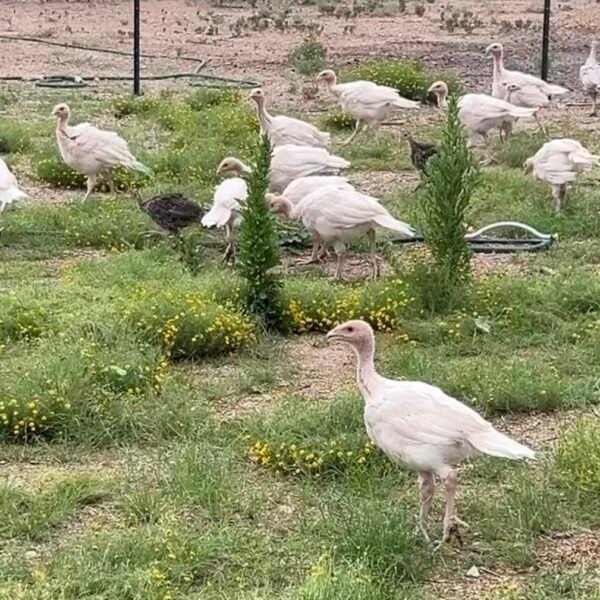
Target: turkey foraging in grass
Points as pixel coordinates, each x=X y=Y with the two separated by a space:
x=420 y=153
x=172 y=211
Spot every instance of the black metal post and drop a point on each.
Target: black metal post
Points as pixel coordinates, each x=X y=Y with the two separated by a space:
x=546 y=39
x=136 y=48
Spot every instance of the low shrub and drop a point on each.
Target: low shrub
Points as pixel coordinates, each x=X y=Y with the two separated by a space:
x=309 y=57
x=202 y=99
x=577 y=459
x=319 y=306
x=409 y=77
x=297 y=459
x=14 y=137
x=134 y=105
x=336 y=120
x=19 y=321
x=71 y=384
x=188 y=325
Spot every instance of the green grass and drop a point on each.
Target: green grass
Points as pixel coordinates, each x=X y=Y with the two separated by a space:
x=143 y=479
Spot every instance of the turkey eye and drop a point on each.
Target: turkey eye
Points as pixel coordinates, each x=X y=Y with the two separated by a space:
x=350 y=329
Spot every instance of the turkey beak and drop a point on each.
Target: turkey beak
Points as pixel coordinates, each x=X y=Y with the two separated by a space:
x=334 y=336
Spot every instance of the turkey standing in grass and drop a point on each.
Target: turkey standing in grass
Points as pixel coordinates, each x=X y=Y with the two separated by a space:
x=558 y=163
x=92 y=151
x=417 y=425
x=502 y=75
x=527 y=96
x=9 y=189
x=480 y=113
x=589 y=74
x=365 y=101
x=283 y=130
x=173 y=212
x=289 y=163
x=420 y=153
x=226 y=210
x=336 y=215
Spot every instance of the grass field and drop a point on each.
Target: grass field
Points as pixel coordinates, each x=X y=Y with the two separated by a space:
x=142 y=412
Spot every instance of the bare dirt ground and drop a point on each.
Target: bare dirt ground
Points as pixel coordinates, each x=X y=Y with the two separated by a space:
x=197 y=29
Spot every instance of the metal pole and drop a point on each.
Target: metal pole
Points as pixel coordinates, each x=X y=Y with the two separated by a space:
x=136 y=48
x=546 y=39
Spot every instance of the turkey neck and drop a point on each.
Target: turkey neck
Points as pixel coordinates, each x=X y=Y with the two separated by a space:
x=592 y=57
x=61 y=126
x=498 y=64
x=264 y=118
x=365 y=367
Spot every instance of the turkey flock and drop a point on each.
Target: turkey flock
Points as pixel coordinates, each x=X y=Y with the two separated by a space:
x=413 y=423
x=305 y=183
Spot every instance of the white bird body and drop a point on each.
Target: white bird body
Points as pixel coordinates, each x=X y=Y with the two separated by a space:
x=480 y=113
x=420 y=426
x=417 y=425
x=589 y=75
x=291 y=162
x=300 y=188
x=367 y=102
x=527 y=96
x=9 y=189
x=341 y=214
x=558 y=163
x=502 y=75
x=226 y=209
x=337 y=214
x=283 y=130
x=92 y=151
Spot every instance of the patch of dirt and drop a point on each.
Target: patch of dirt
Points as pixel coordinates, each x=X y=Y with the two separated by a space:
x=39 y=476
x=571 y=549
x=489 y=585
x=540 y=430
x=324 y=369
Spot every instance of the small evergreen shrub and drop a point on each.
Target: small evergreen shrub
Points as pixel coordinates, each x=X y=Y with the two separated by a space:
x=451 y=179
x=409 y=77
x=309 y=57
x=258 y=245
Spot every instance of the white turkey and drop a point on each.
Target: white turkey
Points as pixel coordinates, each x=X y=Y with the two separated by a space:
x=589 y=75
x=527 y=96
x=92 y=151
x=480 y=113
x=335 y=215
x=558 y=163
x=226 y=210
x=283 y=130
x=365 y=101
x=9 y=189
x=299 y=188
x=289 y=163
x=502 y=75
x=419 y=426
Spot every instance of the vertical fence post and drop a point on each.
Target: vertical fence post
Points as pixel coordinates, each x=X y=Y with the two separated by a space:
x=136 y=48
x=546 y=39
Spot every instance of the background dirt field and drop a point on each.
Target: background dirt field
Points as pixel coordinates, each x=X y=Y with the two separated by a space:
x=178 y=27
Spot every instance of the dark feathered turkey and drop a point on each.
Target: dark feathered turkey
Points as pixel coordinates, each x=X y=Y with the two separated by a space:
x=420 y=153
x=172 y=212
